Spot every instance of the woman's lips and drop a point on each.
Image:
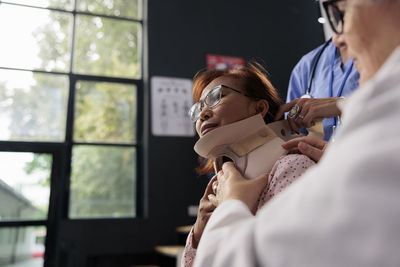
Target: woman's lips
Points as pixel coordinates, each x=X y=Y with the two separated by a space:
x=207 y=128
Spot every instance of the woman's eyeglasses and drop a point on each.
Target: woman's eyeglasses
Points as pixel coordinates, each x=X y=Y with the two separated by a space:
x=211 y=100
x=335 y=15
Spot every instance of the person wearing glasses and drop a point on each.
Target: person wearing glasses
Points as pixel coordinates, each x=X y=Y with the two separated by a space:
x=344 y=211
x=318 y=82
x=223 y=97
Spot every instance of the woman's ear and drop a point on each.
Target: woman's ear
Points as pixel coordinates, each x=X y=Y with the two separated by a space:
x=262 y=107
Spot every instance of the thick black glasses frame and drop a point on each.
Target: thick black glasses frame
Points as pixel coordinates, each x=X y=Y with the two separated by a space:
x=331 y=4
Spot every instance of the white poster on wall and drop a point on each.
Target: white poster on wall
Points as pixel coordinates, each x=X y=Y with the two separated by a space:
x=171 y=99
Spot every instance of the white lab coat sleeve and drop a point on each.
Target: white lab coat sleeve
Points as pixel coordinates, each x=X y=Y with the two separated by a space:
x=228 y=239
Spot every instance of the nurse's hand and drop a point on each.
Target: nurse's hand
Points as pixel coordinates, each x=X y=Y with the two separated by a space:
x=309 y=110
x=232 y=185
x=206 y=208
x=312 y=147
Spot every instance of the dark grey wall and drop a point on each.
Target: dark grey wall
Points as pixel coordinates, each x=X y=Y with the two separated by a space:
x=180 y=34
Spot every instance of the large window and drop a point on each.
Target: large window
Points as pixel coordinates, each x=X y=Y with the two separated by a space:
x=70 y=94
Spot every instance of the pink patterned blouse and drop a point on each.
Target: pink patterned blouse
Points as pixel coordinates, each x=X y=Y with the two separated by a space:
x=287 y=169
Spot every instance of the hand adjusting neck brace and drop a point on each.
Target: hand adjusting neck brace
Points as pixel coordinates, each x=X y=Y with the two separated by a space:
x=251 y=144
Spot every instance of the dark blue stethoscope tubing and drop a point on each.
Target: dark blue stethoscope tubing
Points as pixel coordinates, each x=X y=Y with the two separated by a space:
x=331 y=78
x=310 y=81
x=346 y=76
x=341 y=85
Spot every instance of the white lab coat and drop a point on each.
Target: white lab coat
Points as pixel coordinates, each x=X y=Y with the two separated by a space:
x=343 y=212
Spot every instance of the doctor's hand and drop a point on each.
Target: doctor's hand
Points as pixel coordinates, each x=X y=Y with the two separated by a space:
x=303 y=112
x=206 y=208
x=232 y=185
x=312 y=147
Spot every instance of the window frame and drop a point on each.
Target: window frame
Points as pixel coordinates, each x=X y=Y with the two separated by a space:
x=74 y=78
x=57 y=150
x=61 y=152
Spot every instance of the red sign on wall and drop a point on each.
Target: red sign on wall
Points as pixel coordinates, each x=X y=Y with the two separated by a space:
x=223 y=62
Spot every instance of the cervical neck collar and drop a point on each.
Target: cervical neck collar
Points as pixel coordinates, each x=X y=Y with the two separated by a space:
x=252 y=145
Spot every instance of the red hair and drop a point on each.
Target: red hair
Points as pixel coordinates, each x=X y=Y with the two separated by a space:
x=255 y=82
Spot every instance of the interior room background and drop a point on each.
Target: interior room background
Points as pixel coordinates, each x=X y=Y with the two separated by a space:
x=83 y=181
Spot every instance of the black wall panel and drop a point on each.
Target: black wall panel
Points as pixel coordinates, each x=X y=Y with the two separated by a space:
x=180 y=34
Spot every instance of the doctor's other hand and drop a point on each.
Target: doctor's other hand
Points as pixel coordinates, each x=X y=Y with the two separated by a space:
x=206 y=208
x=232 y=185
x=312 y=147
x=304 y=111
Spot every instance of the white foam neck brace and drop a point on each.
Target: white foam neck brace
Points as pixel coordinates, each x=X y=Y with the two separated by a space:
x=251 y=144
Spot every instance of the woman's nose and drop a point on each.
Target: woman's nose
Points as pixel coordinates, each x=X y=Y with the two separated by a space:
x=205 y=113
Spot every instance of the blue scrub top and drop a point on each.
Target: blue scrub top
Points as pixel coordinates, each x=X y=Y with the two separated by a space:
x=301 y=74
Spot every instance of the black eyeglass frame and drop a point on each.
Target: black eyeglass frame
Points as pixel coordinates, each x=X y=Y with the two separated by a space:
x=219 y=87
x=331 y=4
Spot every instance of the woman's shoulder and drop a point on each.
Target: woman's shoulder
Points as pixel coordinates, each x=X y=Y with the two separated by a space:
x=292 y=162
x=285 y=171
x=294 y=158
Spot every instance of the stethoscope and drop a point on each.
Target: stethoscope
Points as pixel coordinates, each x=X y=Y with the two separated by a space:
x=346 y=76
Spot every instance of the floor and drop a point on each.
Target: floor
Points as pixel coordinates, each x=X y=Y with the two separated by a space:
x=38 y=262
